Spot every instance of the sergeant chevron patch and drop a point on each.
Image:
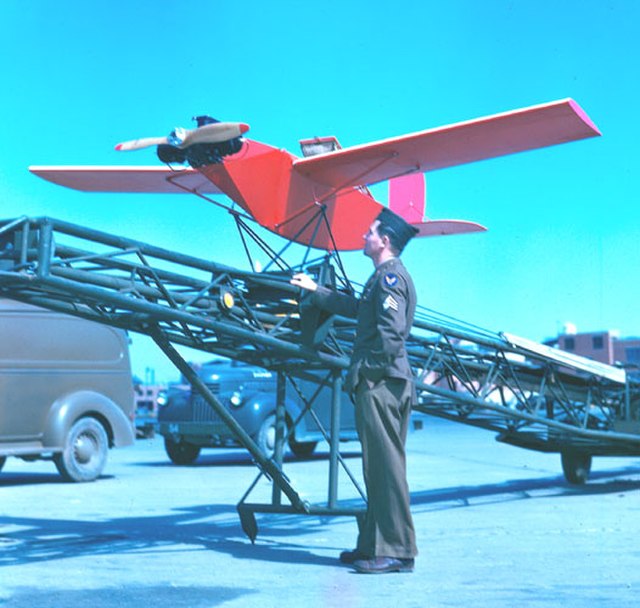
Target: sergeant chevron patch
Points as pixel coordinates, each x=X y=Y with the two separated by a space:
x=390 y=303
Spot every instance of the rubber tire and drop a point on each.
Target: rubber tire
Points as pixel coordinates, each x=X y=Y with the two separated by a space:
x=85 y=451
x=181 y=453
x=266 y=436
x=302 y=449
x=576 y=467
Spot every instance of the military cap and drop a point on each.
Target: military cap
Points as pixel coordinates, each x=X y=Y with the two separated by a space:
x=399 y=230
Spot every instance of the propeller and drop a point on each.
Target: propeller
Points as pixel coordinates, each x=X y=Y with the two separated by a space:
x=212 y=133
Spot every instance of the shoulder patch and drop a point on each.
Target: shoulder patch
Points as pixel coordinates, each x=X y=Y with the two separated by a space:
x=390 y=279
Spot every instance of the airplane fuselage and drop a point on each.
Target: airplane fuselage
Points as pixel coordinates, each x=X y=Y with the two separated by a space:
x=262 y=180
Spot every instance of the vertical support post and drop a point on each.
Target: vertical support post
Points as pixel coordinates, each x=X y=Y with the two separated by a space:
x=45 y=249
x=24 y=243
x=627 y=400
x=281 y=431
x=336 y=402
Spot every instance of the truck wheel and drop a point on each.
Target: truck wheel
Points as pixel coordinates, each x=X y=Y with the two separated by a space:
x=181 y=452
x=266 y=436
x=85 y=451
x=576 y=467
x=302 y=449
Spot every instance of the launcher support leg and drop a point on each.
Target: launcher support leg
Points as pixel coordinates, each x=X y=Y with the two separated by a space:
x=45 y=249
x=265 y=464
x=334 y=448
x=281 y=431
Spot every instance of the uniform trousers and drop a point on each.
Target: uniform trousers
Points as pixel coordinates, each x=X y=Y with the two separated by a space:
x=382 y=413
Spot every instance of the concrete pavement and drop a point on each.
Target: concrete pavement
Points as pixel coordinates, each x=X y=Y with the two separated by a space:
x=496 y=525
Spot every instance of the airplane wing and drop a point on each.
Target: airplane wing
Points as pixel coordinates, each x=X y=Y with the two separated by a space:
x=456 y=144
x=126 y=179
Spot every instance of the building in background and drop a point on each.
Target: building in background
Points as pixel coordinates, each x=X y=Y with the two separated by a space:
x=604 y=346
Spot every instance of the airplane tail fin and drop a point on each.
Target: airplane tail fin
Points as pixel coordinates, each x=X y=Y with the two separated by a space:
x=407 y=198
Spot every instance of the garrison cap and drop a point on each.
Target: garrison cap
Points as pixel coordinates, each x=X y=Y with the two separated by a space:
x=401 y=231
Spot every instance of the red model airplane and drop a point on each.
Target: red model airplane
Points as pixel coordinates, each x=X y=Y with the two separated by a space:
x=321 y=199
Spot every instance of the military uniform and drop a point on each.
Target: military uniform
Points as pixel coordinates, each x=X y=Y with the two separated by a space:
x=381 y=382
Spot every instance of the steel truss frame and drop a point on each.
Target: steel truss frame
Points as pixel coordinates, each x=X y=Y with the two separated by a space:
x=181 y=300
x=529 y=396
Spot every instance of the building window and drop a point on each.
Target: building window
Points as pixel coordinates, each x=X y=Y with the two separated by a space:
x=598 y=342
x=569 y=343
x=632 y=355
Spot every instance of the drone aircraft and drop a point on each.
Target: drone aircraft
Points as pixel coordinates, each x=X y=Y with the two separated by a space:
x=321 y=199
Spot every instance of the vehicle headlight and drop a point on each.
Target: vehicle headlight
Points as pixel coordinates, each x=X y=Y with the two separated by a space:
x=162 y=399
x=236 y=399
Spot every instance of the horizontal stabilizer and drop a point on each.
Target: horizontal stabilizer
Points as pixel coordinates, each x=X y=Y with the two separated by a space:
x=445 y=227
x=407 y=198
x=126 y=179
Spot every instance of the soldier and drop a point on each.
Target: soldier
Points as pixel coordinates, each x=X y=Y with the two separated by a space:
x=381 y=384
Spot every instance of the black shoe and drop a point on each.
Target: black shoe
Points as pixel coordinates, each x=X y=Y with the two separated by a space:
x=349 y=557
x=382 y=565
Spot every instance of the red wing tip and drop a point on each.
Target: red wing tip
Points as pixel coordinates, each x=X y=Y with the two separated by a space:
x=575 y=106
x=118 y=147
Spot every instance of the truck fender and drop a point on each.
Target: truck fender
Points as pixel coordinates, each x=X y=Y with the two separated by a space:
x=69 y=408
x=265 y=404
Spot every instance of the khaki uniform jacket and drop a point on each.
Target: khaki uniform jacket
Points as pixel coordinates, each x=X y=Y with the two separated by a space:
x=384 y=315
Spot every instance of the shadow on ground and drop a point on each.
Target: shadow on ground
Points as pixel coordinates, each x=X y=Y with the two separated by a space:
x=174 y=597
x=26 y=540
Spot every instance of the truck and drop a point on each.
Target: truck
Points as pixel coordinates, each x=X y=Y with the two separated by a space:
x=146 y=407
x=66 y=390
x=188 y=423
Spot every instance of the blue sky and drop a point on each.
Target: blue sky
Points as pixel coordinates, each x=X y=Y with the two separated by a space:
x=563 y=222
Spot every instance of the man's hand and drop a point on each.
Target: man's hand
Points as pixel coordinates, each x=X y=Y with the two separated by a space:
x=304 y=281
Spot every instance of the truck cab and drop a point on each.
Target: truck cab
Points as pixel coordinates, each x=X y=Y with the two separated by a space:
x=188 y=423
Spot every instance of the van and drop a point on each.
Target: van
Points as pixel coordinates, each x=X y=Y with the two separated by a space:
x=66 y=390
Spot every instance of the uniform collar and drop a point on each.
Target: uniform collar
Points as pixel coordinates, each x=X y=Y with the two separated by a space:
x=387 y=263
x=379 y=270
